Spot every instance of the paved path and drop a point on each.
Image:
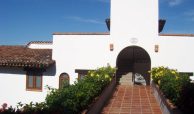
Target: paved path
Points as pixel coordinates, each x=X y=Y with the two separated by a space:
x=128 y=99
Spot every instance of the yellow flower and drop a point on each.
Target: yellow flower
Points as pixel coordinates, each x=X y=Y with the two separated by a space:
x=91 y=74
x=106 y=76
x=158 y=82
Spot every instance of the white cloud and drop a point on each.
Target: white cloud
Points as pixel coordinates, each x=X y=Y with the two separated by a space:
x=80 y=19
x=172 y=2
x=105 y=1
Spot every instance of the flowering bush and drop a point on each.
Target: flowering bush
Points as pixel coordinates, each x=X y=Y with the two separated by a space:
x=75 y=98
x=158 y=72
x=174 y=86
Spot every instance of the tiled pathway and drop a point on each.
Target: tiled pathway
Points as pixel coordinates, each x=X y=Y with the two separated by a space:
x=132 y=100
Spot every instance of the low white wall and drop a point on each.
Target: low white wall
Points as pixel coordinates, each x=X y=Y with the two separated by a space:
x=13 y=87
x=40 y=46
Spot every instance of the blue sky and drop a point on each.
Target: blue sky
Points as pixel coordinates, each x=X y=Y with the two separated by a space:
x=22 y=21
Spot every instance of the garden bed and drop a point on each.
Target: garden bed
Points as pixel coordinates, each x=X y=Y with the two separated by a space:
x=166 y=106
x=100 y=102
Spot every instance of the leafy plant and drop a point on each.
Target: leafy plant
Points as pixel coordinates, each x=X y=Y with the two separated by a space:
x=158 y=72
x=74 y=98
x=71 y=99
x=186 y=100
x=174 y=85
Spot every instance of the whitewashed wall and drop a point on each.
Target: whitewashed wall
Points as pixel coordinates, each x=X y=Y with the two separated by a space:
x=40 y=46
x=175 y=52
x=80 y=52
x=13 y=86
x=134 y=18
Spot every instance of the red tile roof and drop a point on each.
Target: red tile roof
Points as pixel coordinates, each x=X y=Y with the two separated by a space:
x=21 y=56
x=183 y=35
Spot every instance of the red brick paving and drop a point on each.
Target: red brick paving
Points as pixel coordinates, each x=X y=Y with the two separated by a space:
x=132 y=100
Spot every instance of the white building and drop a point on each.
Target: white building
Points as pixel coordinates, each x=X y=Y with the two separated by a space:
x=132 y=45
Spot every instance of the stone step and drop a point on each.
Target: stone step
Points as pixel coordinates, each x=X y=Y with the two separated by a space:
x=126 y=79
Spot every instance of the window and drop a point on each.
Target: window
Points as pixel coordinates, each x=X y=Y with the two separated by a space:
x=63 y=80
x=82 y=73
x=81 y=76
x=34 y=81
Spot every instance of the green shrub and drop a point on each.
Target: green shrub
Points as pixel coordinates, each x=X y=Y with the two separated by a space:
x=172 y=86
x=74 y=98
x=169 y=86
x=186 y=100
x=158 y=72
x=170 y=82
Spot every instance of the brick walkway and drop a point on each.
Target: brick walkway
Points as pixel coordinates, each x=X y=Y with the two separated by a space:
x=132 y=100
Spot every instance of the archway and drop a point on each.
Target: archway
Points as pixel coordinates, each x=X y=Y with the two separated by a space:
x=136 y=60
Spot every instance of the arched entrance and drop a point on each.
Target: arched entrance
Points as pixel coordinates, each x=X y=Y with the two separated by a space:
x=136 y=60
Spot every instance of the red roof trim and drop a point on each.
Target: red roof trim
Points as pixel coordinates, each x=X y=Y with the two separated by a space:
x=184 y=35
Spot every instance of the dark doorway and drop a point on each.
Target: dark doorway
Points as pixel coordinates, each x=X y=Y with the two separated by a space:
x=136 y=60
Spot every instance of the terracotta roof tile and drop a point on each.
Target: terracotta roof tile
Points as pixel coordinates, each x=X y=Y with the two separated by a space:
x=183 y=35
x=21 y=56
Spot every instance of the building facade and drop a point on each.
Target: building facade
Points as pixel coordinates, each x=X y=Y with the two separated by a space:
x=133 y=44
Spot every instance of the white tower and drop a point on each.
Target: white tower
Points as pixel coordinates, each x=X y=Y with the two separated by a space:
x=134 y=18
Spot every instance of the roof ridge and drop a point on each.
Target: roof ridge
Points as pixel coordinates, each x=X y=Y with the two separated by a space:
x=169 y=34
x=39 y=42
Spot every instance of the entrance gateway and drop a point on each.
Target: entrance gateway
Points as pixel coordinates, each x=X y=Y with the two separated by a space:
x=135 y=60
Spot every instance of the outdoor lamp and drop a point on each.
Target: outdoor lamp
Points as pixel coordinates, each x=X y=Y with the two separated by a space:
x=156 y=48
x=111 y=47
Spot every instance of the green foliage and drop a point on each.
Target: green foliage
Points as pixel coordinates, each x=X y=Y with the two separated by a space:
x=74 y=98
x=71 y=99
x=158 y=72
x=170 y=82
x=186 y=100
x=170 y=87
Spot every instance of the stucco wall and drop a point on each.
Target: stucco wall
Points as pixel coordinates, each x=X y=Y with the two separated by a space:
x=80 y=52
x=175 y=52
x=40 y=46
x=134 y=18
x=13 y=86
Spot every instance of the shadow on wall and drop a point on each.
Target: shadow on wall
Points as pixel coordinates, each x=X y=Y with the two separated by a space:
x=12 y=70
x=50 y=71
